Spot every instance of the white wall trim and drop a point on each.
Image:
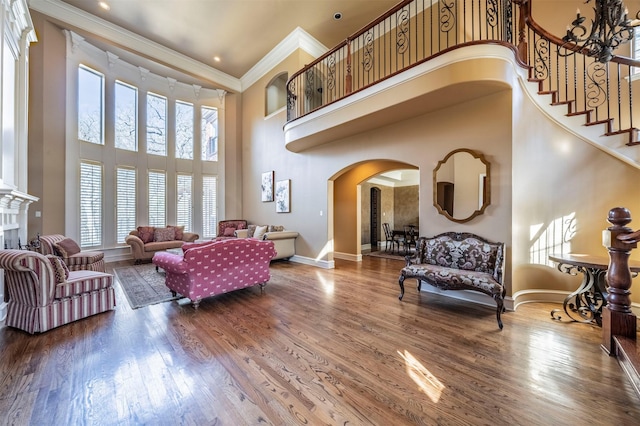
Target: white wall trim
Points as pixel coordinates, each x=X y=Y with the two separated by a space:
x=348 y=256
x=297 y=39
x=118 y=35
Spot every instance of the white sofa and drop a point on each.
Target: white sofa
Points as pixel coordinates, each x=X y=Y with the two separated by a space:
x=284 y=241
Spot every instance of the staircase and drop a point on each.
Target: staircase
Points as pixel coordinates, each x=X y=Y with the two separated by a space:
x=588 y=98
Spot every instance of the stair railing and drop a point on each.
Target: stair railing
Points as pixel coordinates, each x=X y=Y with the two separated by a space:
x=415 y=31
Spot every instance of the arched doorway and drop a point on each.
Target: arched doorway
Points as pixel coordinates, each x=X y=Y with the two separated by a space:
x=346 y=225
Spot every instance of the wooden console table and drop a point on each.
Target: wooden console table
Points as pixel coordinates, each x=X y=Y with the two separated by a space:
x=585 y=304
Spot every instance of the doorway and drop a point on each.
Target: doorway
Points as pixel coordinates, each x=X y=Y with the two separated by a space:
x=374 y=224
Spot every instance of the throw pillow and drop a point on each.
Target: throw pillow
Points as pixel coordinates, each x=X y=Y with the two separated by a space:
x=276 y=228
x=251 y=229
x=66 y=247
x=146 y=233
x=260 y=231
x=60 y=270
x=179 y=231
x=164 y=234
x=229 y=232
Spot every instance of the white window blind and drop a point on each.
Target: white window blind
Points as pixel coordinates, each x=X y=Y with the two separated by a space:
x=184 y=130
x=90 y=105
x=90 y=204
x=209 y=206
x=125 y=202
x=157 y=199
x=184 y=205
x=126 y=117
x=209 y=127
x=156 y=124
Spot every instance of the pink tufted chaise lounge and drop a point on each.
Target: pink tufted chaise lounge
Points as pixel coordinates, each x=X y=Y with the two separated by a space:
x=215 y=267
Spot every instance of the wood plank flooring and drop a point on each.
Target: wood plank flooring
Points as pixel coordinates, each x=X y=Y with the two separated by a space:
x=317 y=347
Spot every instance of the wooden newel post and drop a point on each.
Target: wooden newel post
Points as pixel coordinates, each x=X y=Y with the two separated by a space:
x=617 y=318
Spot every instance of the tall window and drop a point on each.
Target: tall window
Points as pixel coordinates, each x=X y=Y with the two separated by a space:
x=156 y=124
x=157 y=199
x=209 y=206
x=126 y=124
x=90 y=204
x=125 y=202
x=90 y=105
x=184 y=205
x=209 y=134
x=184 y=130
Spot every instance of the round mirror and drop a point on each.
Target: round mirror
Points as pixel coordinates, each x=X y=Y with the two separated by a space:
x=461 y=185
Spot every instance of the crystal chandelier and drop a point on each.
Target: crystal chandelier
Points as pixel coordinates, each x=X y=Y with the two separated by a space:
x=610 y=28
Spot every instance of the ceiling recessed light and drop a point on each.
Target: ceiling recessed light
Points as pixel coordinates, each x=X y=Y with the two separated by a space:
x=216 y=58
x=104 y=5
x=337 y=16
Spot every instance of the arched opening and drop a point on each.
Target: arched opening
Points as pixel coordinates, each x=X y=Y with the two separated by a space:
x=276 y=93
x=345 y=230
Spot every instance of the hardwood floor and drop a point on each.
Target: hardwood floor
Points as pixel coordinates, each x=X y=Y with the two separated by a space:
x=317 y=347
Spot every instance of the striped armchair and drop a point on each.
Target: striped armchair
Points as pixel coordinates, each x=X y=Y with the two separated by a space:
x=81 y=261
x=43 y=294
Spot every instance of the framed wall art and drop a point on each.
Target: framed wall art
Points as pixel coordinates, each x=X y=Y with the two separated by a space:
x=283 y=196
x=267 y=186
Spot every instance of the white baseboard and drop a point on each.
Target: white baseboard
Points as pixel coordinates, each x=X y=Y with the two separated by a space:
x=348 y=256
x=325 y=264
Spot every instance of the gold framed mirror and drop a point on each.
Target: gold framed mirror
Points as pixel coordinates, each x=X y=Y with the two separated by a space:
x=462 y=185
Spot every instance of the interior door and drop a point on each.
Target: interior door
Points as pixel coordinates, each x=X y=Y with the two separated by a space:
x=374 y=222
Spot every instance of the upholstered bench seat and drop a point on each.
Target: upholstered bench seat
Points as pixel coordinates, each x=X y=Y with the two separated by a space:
x=458 y=261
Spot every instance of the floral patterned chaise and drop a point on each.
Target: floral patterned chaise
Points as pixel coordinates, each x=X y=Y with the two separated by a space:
x=458 y=261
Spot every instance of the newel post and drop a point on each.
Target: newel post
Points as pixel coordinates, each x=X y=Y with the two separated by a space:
x=617 y=318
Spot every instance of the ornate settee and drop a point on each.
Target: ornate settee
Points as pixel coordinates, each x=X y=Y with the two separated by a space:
x=69 y=251
x=458 y=261
x=215 y=267
x=284 y=241
x=145 y=241
x=41 y=293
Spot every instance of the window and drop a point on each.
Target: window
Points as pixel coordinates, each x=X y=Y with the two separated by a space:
x=126 y=117
x=209 y=206
x=90 y=204
x=157 y=198
x=184 y=130
x=125 y=202
x=156 y=124
x=209 y=134
x=184 y=205
x=90 y=105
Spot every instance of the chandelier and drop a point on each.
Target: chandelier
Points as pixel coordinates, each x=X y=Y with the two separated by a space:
x=610 y=28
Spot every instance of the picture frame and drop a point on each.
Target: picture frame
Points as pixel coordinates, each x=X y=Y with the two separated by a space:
x=283 y=196
x=267 y=186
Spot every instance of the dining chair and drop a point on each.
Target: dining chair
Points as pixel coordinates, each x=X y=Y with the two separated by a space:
x=388 y=234
x=409 y=238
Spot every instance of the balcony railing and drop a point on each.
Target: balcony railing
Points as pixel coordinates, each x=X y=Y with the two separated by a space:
x=416 y=31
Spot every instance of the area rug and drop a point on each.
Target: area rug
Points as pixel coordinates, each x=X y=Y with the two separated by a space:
x=143 y=285
x=385 y=255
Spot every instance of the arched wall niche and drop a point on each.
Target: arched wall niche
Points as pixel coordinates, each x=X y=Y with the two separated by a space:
x=276 y=93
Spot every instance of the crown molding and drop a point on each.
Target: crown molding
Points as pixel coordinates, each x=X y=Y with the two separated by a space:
x=68 y=14
x=297 y=39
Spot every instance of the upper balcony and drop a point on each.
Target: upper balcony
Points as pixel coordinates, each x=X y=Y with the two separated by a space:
x=411 y=61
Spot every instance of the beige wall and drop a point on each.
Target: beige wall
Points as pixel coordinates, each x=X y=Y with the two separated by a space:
x=47 y=105
x=406 y=206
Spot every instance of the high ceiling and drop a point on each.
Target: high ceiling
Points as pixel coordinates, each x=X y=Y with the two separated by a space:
x=239 y=32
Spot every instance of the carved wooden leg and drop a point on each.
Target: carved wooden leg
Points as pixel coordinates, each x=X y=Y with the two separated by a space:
x=401 y=282
x=500 y=309
x=173 y=293
x=195 y=304
x=262 y=286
